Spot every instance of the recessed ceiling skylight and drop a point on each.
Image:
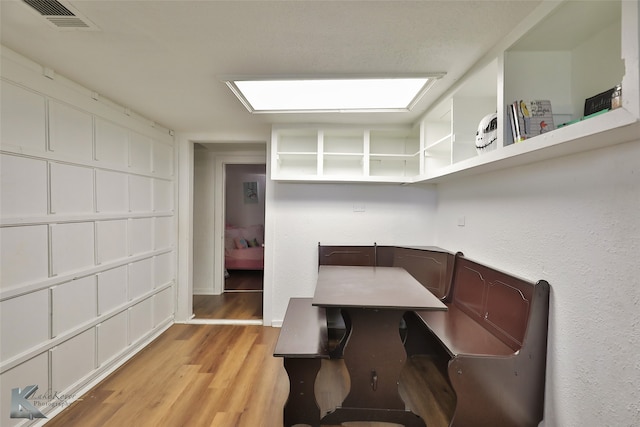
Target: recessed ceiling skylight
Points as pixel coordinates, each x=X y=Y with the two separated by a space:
x=331 y=95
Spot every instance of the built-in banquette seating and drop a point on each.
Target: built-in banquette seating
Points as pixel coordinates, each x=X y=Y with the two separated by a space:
x=430 y=265
x=348 y=255
x=303 y=343
x=493 y=335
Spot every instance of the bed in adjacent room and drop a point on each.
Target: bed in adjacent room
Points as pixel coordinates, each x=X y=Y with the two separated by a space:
x=243 y=248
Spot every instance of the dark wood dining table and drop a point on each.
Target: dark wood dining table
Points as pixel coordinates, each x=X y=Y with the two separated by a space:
x=373 y=301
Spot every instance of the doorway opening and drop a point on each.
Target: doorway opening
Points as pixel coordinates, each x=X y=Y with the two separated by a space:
x=236 y=294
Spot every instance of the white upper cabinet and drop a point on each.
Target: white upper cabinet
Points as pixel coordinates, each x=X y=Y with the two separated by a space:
x=70 y=132
x=140 y=156
x=112 y=142
x=565 y=52
x=22 y=118
x=345 y=153
x=294 y=153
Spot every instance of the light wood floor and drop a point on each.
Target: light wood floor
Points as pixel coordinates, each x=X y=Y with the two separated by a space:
x=244 y=280
x=242 y=299
x=226 y=376
x=229 y=305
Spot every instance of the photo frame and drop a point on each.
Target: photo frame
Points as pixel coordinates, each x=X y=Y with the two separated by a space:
x=250 y=191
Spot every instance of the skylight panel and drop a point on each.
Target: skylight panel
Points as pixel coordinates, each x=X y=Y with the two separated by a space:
x=331 y=95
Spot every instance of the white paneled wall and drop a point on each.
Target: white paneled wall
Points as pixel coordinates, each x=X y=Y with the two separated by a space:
x=24 y=257
x=111 y=338
x=33 y=371
x=20 y=176
x=87 y=233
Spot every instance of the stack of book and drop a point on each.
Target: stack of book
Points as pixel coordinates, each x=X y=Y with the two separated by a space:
x=530 y=118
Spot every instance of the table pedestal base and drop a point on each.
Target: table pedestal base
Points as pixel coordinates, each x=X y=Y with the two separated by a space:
x=397 y=416
x=374 y=356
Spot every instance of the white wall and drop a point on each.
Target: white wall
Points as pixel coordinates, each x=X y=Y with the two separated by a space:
x=574 y=221
x=237 y=212
x=203 y=224
x=87 y=234
x=301 y=215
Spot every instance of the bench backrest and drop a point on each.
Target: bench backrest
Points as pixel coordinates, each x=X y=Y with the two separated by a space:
x=361 y=256
x=501 y=303
x=433 y=268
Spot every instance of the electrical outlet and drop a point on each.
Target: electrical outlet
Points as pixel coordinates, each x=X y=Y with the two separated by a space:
x=461 y=221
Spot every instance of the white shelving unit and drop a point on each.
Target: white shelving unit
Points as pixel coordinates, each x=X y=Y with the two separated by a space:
x=297 y=153
x=394 y=153
x=345 y=153
x=450 y=127
x=565 y=52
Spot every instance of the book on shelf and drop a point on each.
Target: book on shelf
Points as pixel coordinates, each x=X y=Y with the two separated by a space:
x=530 y=118
x=599 y=102
x=514 y=121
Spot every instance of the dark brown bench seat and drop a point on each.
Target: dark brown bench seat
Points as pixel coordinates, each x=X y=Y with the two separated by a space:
x=495 y=333
x=303 y=342
x=459 y=334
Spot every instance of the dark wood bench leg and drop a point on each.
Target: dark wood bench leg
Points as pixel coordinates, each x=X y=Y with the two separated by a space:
x=418 y=340
x=338 y=351
x=301 y=406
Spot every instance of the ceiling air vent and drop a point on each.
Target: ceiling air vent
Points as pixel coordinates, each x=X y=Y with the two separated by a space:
x=61 y=15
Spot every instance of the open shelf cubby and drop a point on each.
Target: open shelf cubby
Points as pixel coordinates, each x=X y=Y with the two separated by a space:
x=564 y=52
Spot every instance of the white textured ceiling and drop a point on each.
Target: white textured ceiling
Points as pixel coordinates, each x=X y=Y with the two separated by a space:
x=164 y=59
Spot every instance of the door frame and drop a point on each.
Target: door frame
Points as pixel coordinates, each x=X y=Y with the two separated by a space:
x=184 y=163
x=221 y=162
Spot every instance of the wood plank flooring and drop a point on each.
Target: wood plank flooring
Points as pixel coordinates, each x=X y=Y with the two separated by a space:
x=244 y=280
x=241 y=300
x=229 y=305
x=226 y=376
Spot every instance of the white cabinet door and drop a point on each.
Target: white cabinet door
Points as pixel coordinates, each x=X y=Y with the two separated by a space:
x=71 y=189
x=140 y=235
x=112 y=192
x=140 y=320
x=22 y=118
x=112 y=289
x=24 y=323
x=140 y=278
x=24 y=255
x=73 y=303
x=112 y=337
x=72 y=247
x=112 y=144
x=23 y=187
x=111 y=240
x=70 y=132
x=73 y=360
x=162 y=306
